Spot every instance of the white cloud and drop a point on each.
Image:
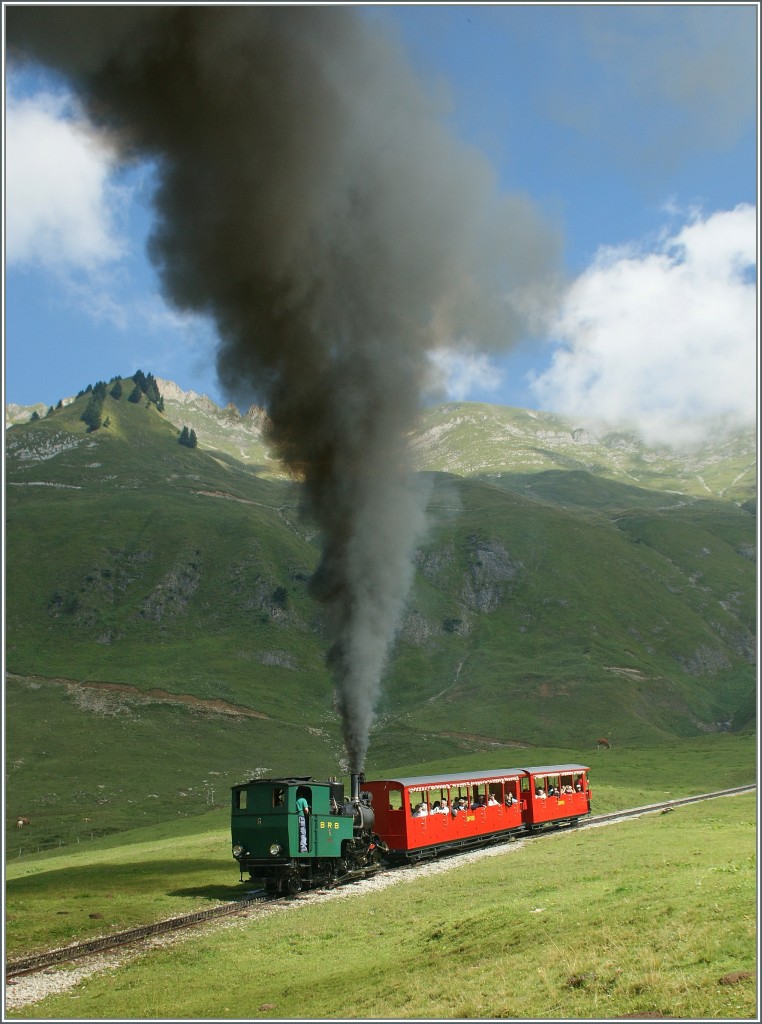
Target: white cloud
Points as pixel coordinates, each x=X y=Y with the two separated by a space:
x=60 y=203
x=662 y=340
x=459 y=373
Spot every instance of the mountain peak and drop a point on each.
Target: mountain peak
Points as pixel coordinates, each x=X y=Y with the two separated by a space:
x=174 y=393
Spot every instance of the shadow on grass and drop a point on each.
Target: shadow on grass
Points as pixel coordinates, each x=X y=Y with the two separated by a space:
x=228 y=893
x=146 y=875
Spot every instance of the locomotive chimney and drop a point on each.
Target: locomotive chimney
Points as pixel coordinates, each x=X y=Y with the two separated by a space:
x=355 y=787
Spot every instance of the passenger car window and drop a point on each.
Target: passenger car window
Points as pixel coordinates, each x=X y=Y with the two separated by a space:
x=418 y=803
x=395 y=800
x=478 y=796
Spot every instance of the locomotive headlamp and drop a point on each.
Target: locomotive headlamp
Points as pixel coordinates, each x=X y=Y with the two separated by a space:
x=237 y=851
x=274 y=849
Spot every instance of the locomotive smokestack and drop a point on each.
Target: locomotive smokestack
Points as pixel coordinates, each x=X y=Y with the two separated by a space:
x=354 y=795
x=312 y=202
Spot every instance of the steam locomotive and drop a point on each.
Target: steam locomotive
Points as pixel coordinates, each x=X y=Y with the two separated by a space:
x=291 y=834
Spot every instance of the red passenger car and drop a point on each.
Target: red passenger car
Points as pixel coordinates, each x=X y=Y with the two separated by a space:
x=425 y=815
x=554 y=793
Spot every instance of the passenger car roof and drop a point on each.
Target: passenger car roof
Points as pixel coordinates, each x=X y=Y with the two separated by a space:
x=556 y=769
x=417 y=781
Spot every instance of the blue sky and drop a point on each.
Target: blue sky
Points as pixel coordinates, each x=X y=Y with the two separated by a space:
x=632 y=129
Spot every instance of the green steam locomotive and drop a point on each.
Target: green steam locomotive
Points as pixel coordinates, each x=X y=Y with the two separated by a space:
x=291 y=834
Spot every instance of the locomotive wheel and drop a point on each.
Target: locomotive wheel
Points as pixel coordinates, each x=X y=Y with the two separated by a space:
x=293 y=884
x=341 y=868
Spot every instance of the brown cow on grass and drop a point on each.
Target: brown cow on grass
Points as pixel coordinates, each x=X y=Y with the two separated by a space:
x=603 y=742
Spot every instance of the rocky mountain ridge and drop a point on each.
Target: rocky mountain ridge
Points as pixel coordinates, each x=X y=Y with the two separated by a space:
x=491 y=441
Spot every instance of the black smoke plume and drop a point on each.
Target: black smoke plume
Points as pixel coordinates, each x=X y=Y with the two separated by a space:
x=312 y=202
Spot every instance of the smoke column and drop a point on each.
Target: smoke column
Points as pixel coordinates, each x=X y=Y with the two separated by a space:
x=312 y=203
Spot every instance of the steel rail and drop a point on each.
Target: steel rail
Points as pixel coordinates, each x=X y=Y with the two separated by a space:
x=633 y=812
x=65 y=954
x=39 y=961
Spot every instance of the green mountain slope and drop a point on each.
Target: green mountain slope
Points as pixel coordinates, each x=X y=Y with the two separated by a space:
x=473 y=439
x=157 y=599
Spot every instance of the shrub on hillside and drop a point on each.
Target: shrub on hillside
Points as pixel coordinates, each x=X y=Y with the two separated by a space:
x=188 y=438
x=146 y=383
x=93 y=414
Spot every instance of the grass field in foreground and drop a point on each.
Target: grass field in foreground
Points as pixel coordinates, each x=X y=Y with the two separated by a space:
x=158 y=871
x=641 y=917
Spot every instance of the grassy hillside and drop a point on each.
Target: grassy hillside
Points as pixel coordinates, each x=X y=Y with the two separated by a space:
x=551 y=620
x=547 y=607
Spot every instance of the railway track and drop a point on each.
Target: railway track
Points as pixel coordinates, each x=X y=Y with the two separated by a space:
x=634 y=812
x=39 y=961
x=66 y=954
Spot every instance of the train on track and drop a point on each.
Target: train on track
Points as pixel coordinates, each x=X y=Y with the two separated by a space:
x=291 y=834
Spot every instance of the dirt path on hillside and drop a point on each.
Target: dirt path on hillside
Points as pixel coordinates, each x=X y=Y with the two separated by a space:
x=135 y=694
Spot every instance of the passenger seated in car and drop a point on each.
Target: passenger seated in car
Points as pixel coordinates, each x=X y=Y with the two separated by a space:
x=421 y=811
x=510 y=800
x=552 y=790
x=492 y=802
x=479 y=801
x=540 y=791
x=436 y=808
